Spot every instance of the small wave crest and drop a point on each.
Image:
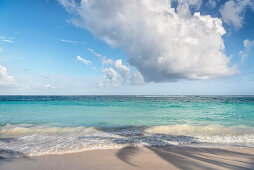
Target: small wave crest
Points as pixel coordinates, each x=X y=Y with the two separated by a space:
x=28 y=129
x=186 y=129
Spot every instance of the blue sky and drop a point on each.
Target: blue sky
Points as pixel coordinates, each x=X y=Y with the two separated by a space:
x=65 y=47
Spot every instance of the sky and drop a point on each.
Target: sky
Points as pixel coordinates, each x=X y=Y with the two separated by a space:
x=136 y=47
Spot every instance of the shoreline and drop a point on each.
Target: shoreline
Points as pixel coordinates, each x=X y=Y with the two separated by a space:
x=167 y=157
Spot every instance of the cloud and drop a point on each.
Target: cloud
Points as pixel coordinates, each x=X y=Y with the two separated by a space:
x=6 y=81
x=123 y=70
x=232 y=12
x=49 y=86
x=183 y=5
x=164 y=44
x=248 y=44
x=110 y=74
x=82 y=60
x=9 y=41
x=6 y=39
x=105 y=61
x=1 y=49
x=137 y=78
x=71 y=41
x=70 y=5
x=212 y=3
x=120 y=74
x=94 y=53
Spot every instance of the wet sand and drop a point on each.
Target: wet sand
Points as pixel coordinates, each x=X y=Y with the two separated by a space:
x=171 y=157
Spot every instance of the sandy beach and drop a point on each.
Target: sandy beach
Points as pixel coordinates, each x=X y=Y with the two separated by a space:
x=171 y=157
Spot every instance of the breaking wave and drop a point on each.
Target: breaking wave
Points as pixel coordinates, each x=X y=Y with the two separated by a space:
x=40 y=140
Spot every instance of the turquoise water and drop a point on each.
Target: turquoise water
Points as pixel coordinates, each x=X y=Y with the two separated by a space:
x=60 y=124
x=124 y=111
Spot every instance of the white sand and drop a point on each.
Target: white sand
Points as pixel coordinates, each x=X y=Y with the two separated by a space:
x=139 y=158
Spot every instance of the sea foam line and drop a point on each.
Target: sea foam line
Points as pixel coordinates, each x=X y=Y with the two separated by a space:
x=41 y=140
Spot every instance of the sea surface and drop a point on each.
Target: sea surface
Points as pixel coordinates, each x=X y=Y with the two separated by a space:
x=39 y=125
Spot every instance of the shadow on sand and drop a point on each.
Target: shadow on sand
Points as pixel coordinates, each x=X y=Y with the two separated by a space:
x=185 y=157
x=194 y=158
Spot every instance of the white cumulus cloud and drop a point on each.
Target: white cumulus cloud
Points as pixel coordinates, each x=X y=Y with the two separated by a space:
x=119 y=74
x=6 y=81
x=164 y=43
x=82 y=60
x=123 y=70
x=137 y=79
x=111 y=74
x=232 y=12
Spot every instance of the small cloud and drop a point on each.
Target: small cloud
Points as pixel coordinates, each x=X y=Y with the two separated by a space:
x=212 y=3
x=105 y=61
x=94 y=53
x=120 y=74
x=69 y=41
x=232 y=12
x=1 y=49
x=248 y=44
x=6 y=40
x=49 y=86
x=82 y=60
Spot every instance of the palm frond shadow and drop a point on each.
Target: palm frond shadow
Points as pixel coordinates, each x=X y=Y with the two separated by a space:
x=183 y=157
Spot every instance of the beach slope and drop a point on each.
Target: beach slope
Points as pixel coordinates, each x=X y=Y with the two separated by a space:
x=171 y=157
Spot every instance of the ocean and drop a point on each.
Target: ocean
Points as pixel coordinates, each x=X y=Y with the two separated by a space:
x=39 y=125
